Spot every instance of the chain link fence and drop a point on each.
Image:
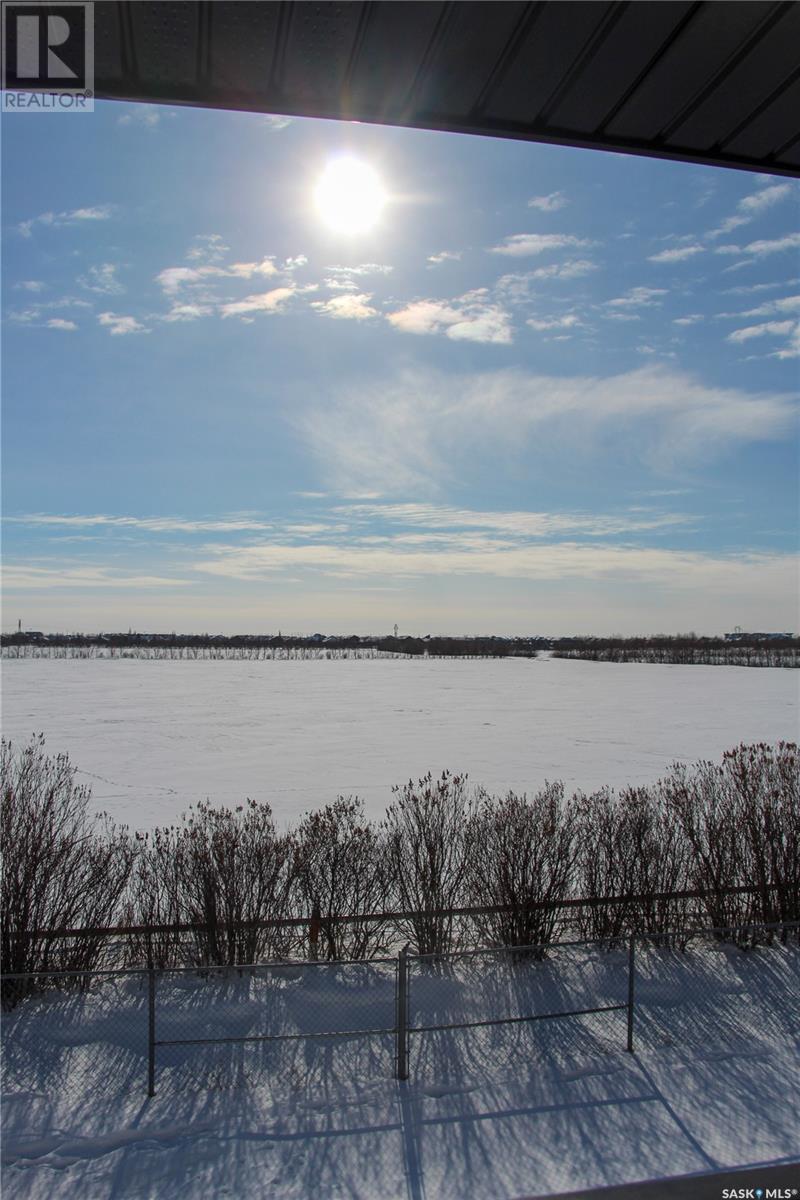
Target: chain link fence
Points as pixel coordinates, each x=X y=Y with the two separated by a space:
x=232 y=1025
x=288 y=1024
x=502 y=1002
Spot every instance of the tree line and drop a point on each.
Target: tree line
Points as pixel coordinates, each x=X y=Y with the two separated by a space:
x=747 y=650
x=441 y=846
x=248 y=645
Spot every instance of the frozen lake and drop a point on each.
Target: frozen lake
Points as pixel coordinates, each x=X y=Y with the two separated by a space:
x=154 y=737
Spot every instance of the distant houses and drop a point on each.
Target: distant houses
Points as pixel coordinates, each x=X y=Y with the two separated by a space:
x=739 y=635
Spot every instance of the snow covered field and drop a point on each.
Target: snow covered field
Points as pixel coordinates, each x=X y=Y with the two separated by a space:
x=154 y=737
x=487 y=1114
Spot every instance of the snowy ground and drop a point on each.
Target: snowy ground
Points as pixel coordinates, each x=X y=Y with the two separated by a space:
x=153 y=737
x=487 y=1114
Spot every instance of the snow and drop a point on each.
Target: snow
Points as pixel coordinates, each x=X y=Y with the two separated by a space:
x=153 y=737
x=487 y=1114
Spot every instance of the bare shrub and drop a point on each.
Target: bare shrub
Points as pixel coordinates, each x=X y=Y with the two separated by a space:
x=659 y=863
x=233 y=870
x=522 y=855
x=154 y=898
x=429 y=842
x=341 y=870
x=706 y=809
x=764 y=786
x=61 y=868
x=606 y=865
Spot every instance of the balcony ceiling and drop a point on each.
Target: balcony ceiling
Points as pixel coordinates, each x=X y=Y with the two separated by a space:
x=715 y=82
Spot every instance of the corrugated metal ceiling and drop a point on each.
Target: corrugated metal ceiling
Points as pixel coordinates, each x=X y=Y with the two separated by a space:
x=714 y=82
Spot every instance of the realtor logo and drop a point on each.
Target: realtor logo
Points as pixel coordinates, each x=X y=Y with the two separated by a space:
x=48 y=57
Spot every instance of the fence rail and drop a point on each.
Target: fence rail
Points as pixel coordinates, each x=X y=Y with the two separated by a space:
x=394 y=916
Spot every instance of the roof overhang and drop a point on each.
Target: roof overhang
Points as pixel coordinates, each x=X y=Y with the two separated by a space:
x=715 y=82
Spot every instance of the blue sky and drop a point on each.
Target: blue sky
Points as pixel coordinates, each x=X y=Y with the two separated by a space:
x=550 y=391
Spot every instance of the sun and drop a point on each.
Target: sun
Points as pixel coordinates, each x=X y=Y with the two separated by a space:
x=350 y=196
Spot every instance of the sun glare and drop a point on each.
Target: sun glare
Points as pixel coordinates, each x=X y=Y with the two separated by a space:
x=349 y=196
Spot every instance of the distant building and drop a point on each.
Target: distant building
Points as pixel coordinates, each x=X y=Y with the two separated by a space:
x=740 y=636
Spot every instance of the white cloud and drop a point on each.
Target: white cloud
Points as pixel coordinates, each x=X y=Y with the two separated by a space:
x=31 y=285
x=517 y=287
x=35 y=312
x=102 y=279
x=638 y=297
x=444 y=256
x=471 y=317
x=120 y=325
x=690 y=319
x=41 y=578
x=728 y=226
x=424 y=316
x=572 y=268
x=98 y=212
x=450 y=425
x=197 y=299
x=263 y=302
x=676 y=254
x=147 y=115
x=773 y=328
x=353 y=306
x=791 y=241
x=207 y=247
x=550 y=203
x=172 y=279
x=188 y=312
x=519 y=245
x=75 y=216
x=246 y=270
x=147 y=524
x=746 y=289
x=792 y=347
x=274 y=122
x=340 y=284
x=764 y=246
x=669 y=571
x=60 y=323
x=25 y=228
x=482 y=324
x=752 y=206
x=514 y=524
x=569 y=321
x=786 y=304
x=362 y=269
x=765 y=198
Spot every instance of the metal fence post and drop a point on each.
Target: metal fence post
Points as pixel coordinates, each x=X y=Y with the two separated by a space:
x=631 y=986
x=151 y=1032
x=402 y=1014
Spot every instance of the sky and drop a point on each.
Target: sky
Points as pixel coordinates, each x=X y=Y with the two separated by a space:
x=485 y=387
